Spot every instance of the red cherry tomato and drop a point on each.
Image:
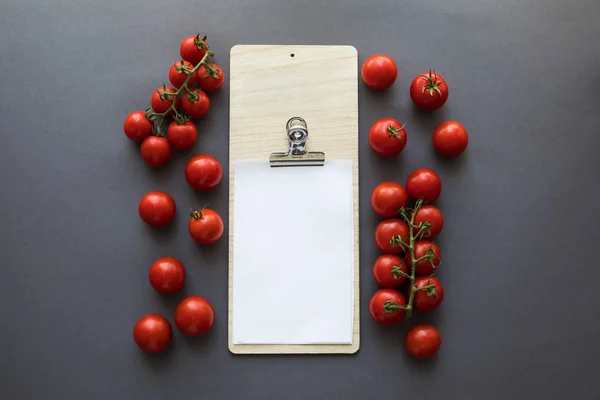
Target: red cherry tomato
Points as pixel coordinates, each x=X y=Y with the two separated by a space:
x=195 y=105
x=433 y=216
x=387 y=137
x=182 y=136
x=422 y=341
x=205 y=226
x=387 y=271
x=203 y=172
x=424 y=183
x=423 y=248
x=450 y=138
x=157 y=209
x=387 y=198
x=167 y=275
x=161 y=105
x=379 y=71
x=152 y=333
x=429 y=91
x=194 y=316
x=426 y=300
x=193 y=48
x=177 y=76
x=155 y=151
x=211 y=79
x=389 y=229
x=384 y=306
x=137 y=127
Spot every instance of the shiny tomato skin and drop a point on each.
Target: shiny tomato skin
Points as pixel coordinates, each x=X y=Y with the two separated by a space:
x=157 y=209
x=424 y=267
x=194 y=316
x=421 y=301
x=387 y=137
x=198 y=107
x=424 y=183
x=429 y=91
x=189 y=50
x=152 y=333
x=155 y=151
x=206 y=226
x=422 y=341
x=182 y=136
x=387 y=198
x=177 y=78
x=379 y=71
x=386 y=230
x=450 y=138
x=136 y=126
x=383 y=270
x=377 y=306
x=159 y=105
x=167 y=275
x=433 y=215
x=209 y=82
x=203 y=172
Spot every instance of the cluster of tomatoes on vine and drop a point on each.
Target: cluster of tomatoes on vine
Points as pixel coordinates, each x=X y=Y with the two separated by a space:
x=406 y=235
x=167 y=124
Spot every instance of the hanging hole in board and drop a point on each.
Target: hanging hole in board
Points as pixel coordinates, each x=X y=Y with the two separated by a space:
x=292 y=55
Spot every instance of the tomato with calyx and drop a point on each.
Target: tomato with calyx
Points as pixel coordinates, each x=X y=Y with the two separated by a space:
x=390 y=234
x=387 y=306
x=195 y=104
x=390 y=270
x=430 y=254
x=430 y=298
x=429 y=91
x=387 y=137
x=178 y=74
x=205 y=226
x=137 y=127
x=387 y=198
x=424 y=183
x=193 y=48
x=431 y=217
x=182 y=136
x=210 y=77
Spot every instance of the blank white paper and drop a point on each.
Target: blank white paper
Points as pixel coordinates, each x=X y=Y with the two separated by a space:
x=293 y=254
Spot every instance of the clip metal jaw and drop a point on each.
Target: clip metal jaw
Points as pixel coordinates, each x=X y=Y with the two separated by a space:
x=297 y=155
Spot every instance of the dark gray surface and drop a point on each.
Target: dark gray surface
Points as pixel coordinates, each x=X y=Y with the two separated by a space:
x=520 y=315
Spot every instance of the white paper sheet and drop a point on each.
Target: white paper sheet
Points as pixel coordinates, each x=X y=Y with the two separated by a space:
x=293 y=254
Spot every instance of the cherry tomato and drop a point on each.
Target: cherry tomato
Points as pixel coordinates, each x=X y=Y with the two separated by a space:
x=424 y=183
x=422 y=341
x=387 y=198
x=211 y=79
x=450 y=138
x=205 y=226
x=155 y=151
x=193 y=48
x=203 y=172
x=182 y=136
x=426 y=300
x=157 y=209
x=177 y=77
x=389 y=229
x=379 y=71
x=387 y=270
x=429 y=91
x=195 y=107
x=423 y=248
x=384 y=306
x=152 y=333
x=137 y=127
x=194 y=316
x=161 y=105
x=433 y=216
x=387 y=137
x=167 y=275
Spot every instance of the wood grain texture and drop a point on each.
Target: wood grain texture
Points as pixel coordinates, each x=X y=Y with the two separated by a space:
x=267 y=87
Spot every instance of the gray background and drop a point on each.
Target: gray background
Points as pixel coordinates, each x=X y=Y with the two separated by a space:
x=520 y=317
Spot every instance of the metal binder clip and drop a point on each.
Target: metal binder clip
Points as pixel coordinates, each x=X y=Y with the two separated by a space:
x=297 y=155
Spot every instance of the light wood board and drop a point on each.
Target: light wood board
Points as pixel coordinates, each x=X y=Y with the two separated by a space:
x=270 y=84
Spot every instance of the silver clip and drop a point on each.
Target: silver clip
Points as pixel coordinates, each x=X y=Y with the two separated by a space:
x=297 y=155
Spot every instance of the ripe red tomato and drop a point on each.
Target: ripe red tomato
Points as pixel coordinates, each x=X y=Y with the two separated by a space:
x=384 y=306
x=422 y=341
x=386 y=270
x=387 y=137
x=205 y=226
x=195 y=108
x=157 y=209
x=182 y=136
x=450 y=138
x=424 y=183
x=424 y=267
x=387 y=198
x=387 y=230
x=137 y=127
x=203 y=172
x=167 y=275
x=211 y=79
x=194 y=316
x=155 y=151
x=429 y=91
x=161 y=105
x=433 y=215
x=177 y=77
x=379 y=71
x=152 y=333
x=425 y=300
x=193 y=48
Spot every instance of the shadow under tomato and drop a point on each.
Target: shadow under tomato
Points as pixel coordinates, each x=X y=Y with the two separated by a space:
x=426 y=121
x=166 y=233
x=162 y=360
